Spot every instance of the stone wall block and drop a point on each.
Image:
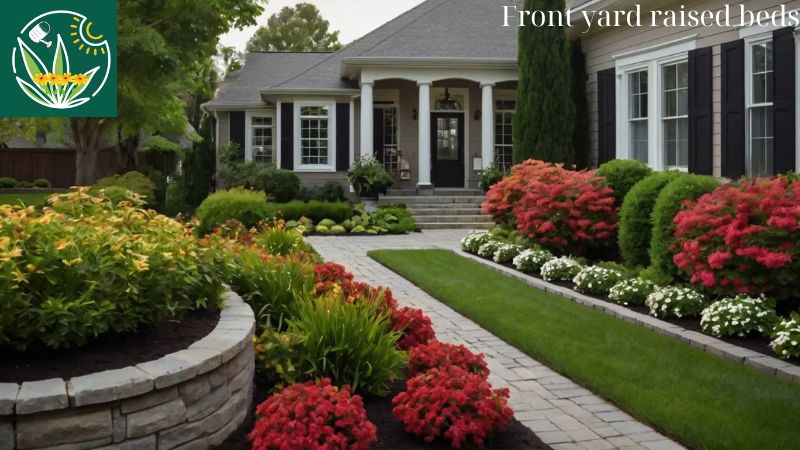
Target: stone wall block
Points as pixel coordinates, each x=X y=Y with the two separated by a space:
x=149 y=400
x=183 y=433
x=7 y=437
x=69 y=427
x=8 y=398
x=108 y=386
x=193 y=390
x=207 y=404
x=169 y=370
x=155 y=419
x=120 y=425
x=45 y=395
x=145 y=443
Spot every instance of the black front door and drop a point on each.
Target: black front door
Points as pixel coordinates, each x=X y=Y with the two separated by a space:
x=447 y=149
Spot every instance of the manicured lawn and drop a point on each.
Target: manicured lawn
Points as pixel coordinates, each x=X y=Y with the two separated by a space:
x=29 y=199
x=700 y=399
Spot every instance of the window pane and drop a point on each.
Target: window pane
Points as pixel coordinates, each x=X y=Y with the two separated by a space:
x=683 y=142
x=683 y=102
x=639 y=139
x=761 y=141
x=759 y=58
x=670 y=77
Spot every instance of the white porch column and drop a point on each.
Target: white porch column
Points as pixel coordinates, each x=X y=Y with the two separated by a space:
x=487 y=125
x=367 y=142
x=424 y=135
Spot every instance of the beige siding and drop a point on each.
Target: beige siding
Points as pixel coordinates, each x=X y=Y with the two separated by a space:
x=602 y=46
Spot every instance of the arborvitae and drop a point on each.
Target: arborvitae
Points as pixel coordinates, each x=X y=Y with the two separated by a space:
x=545 y=119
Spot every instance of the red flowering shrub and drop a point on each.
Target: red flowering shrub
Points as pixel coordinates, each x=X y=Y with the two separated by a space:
x=555 y=207
x=415 y=326
x=452 y=403
x=439 y=354
x=743 y=238
x=313 y=416
x=329 y=276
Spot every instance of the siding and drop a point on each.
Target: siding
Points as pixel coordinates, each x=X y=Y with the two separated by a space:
x=602 y=46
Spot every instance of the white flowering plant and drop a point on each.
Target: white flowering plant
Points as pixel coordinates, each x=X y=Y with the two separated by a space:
x=488 y=249
x=675 y=302
x=739 y=316
x=786 y=338
x=631 y=292
x=473 y=241
x=531 y=261
x=506 y=253
x=596 y=280
x=560 y=269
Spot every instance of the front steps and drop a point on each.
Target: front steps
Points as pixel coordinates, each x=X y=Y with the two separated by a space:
x=461 y=210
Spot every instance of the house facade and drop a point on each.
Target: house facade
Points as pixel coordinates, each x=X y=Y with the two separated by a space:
x=431 y=94
x=712 y=100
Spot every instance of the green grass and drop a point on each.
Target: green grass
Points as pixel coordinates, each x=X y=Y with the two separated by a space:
x=29 y=199
x=702 y=400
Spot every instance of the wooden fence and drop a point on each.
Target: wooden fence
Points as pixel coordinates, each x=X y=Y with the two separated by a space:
x=55 y=165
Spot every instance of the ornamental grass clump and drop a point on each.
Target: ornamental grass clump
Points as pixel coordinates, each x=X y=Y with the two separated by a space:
x=488 y=249
x=438 y=354
x=531 y=261
x=631 y=292
x=313 y=416
x=596 y=280
x=676 y=302
x=560 y=269
x=740 y=316
x=506 y=253
x=82 y=266
x=473 y=241
x=786 y=338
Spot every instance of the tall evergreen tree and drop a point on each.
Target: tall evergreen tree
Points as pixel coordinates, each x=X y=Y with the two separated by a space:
x=545 y=119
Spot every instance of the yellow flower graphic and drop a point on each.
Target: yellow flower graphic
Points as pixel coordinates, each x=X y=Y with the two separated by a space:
x=51 y=78
x=40 y=78
x=79 y=79
x=61 y=80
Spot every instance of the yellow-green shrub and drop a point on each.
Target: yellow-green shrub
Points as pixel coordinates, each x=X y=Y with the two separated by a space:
x=247 y=207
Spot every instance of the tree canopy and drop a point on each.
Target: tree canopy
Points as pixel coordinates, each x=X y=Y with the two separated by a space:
x=295 y=29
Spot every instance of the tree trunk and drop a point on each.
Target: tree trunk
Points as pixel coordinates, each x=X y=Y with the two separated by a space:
x=88 y=134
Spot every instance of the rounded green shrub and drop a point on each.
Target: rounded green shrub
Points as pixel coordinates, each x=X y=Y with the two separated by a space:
x=116 y=194
x=24 y=185
x=635 y=224
x=132 y=181
x=42 y=183
x=281 y=185
x=622 y=175
x=315 y=210
x=7 y=183
x=667 y=205
x=248 y=207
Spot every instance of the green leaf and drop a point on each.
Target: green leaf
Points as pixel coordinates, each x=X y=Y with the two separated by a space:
x=33 y=93
x=61 y=59
x=77 y=90
x=33 y=64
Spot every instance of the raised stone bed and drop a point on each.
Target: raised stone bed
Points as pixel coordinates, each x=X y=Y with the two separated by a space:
x=193 y=398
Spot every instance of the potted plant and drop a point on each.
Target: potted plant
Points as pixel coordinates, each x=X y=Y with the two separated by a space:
x=369 y=180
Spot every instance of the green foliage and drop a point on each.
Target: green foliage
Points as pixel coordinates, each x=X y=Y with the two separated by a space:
x=247 y=207
x=350 y=343
x=158 y=151
x=24 y=185
x=633 y=291
x=331 y=191
x=622 y=174
x=315 y=210
x=279 y=358
x=596 y=280
x=369 y=178
x=635 y=224
x=115 y=194
x=132 y=181
x=199 y=167
x=7 y=183
x=545 y=120
x=281 y=185
x=295 y=29
x=668 y=204
x=280 y=241
x=489 y=177
x=42 y=183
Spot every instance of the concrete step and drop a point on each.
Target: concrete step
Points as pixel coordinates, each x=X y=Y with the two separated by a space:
x=438 y=192
x=455 y=226
x=452 y=219
x=437 y=210
x=439 y=200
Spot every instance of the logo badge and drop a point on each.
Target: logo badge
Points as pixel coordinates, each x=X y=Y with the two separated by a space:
x=63 y=62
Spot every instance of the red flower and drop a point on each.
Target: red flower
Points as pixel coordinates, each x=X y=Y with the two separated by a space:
x=415 y=325
x=439 y=354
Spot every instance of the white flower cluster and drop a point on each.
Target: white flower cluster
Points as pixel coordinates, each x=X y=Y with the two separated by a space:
x=560 y=269
x=596 y=280
x=739 y=316
x=531 y=261
x=675 y=302
x=506 y=253
x=488 y=249
x=631 y=292
x=473 y=241
x=786 y=340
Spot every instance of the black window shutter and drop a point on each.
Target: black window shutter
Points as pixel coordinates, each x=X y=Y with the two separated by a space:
x=377 y=133
x=606 y=116
x=785 y=98
x=701 y=141
x=733 y=110
x=237 y=128
x=287 y=136
x=342 y=136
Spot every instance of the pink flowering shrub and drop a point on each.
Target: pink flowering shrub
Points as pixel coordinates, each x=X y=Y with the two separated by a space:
x=743 y=238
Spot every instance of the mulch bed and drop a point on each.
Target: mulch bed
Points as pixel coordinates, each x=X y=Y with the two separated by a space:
x=109 y=351
x=391 y=435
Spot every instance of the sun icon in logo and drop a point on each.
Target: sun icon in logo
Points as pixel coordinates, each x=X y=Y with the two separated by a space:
x=53 y=74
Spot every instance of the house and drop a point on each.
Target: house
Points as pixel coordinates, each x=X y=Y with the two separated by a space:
x=716 y=100
x=431 y=94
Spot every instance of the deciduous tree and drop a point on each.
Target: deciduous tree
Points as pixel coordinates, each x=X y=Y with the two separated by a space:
x=295 y=29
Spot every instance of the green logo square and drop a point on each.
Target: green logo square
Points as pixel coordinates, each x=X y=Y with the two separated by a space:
x=59 y=59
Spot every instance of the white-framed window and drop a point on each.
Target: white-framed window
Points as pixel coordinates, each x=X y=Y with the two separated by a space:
x=260 y=138
x=315 y=136
x=504 y=111
x=391 y=148
x=675 y=114
x=759 y=92
x=638 y=115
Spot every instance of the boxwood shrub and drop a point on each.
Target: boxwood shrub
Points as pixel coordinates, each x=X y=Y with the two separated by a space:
x=667 y=205
x=622 y=174
x=7 y=183
x=315 y=210
x=247 y=207
x=42 y=183
x=635 y=226
x=132 y=181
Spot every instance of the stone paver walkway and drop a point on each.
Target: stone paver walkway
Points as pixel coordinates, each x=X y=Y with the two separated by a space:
x=562 y=413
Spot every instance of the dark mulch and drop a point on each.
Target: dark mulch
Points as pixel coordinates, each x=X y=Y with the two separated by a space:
x=109 y=351
x=391 y=435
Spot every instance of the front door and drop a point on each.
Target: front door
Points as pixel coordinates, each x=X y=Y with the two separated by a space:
x=447 y=149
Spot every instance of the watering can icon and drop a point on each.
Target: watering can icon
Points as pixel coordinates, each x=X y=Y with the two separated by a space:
x=39 y=32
